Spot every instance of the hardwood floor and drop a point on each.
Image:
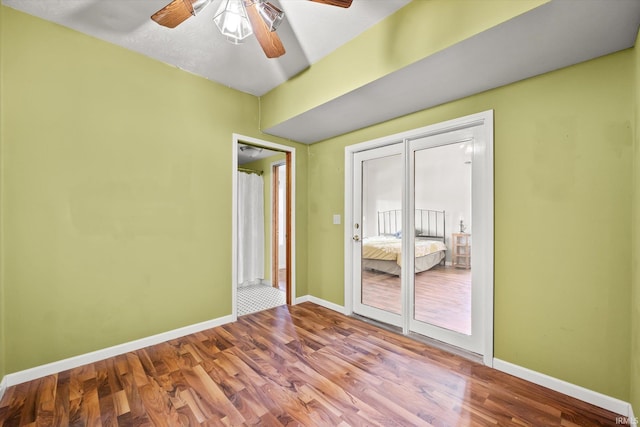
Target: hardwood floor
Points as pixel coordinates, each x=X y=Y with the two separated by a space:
x=301 y=365
x=443 y=296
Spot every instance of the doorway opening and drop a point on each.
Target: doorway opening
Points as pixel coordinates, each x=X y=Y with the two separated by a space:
x=263 y=224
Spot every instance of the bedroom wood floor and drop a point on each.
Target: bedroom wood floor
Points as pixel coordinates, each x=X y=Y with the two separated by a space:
x=443 y=296
x=301 y=365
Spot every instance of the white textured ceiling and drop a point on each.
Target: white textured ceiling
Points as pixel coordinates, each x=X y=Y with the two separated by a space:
x=309 y=32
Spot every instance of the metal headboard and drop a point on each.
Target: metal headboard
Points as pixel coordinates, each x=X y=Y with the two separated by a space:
x=429 y=223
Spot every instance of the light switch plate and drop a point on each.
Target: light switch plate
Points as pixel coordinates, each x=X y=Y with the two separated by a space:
x=336 y=219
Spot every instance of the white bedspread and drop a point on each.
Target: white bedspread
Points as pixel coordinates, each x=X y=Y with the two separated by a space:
x=390 y=248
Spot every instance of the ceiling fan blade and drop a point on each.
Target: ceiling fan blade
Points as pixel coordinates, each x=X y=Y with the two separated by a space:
x=173 y=14
x=269 y=40
x=339 y=3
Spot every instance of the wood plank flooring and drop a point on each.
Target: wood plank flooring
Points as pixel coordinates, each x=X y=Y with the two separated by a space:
x=443 y=296
x=301 y=365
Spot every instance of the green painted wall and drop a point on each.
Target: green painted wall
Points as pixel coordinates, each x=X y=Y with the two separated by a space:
x=563 y=166
x=116 y=193
x=414 y=32
x=2 y=298
x=635 y=292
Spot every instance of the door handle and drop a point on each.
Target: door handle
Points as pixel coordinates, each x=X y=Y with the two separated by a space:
x=356 y=238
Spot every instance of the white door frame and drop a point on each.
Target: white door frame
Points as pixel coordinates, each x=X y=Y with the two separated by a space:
x=237 y=138
x=483 y=206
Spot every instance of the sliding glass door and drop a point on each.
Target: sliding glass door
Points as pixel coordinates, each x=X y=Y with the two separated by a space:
x=421 y=237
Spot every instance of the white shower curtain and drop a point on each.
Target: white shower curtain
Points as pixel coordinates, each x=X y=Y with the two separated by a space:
x=250 y=229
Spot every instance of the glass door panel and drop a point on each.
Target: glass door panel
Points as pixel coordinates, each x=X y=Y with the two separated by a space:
x=378 y=230
x=445 y=293
x=442 y=282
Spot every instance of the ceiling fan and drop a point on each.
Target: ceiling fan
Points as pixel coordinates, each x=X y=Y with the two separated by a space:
x=237 y=19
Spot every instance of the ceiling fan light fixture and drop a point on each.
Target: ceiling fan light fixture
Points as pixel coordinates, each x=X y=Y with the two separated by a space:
x=232 y=21
x=251 y=151
x=198 y=5
x=270 y=14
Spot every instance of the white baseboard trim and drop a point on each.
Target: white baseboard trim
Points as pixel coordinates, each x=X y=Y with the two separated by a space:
x=612 y=404
x=326 y=304
x=633 y=420
x=598 y=399
x=95 y=356
x=593 y=397
x=3 y=387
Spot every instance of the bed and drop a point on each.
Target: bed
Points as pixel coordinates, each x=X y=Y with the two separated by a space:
x=383 y=252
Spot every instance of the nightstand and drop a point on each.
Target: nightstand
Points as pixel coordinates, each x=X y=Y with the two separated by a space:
x=461 y=250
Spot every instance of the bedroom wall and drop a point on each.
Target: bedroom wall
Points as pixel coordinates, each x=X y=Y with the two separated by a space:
x=116 y=192
x=2 y=297
x=381 y=190
x=563 y=149
x=635 y=286
x=443 y=182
